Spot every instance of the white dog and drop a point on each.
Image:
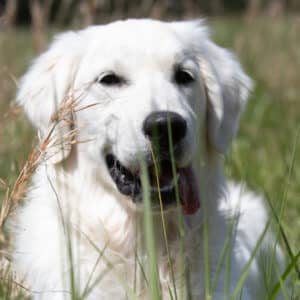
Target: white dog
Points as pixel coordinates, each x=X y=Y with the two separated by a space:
x=147 y=89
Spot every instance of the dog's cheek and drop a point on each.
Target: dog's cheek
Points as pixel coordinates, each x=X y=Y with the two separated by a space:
x=130 y=147
x=129 y=143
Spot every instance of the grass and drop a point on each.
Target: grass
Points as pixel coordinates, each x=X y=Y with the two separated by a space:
x=266 y=152
x=262 y=154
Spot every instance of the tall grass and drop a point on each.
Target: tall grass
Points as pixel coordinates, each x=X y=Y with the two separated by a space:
x=265 y=154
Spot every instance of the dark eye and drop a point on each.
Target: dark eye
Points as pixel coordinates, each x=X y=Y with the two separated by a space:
x=183 y=77
x=111 y=79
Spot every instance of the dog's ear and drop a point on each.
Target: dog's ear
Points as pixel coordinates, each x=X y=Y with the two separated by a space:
x=43 y=88
x=227 y=88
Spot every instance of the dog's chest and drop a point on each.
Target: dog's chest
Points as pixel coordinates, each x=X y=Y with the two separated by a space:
x=177 y=268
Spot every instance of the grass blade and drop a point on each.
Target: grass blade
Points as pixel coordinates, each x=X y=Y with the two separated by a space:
x=242 y=279
x=155 y=292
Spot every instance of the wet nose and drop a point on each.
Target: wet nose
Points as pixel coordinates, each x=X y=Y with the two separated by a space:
x=158 y=125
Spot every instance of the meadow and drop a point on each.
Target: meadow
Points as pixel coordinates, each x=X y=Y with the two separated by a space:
x=266 y=153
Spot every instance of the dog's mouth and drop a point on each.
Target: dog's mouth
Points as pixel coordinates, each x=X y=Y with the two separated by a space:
x=163 y=185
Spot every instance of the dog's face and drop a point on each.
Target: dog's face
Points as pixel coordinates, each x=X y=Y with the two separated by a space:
x=138 y=86
x=150 y=89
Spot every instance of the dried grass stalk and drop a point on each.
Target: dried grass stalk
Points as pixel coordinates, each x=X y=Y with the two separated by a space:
x=40 y=153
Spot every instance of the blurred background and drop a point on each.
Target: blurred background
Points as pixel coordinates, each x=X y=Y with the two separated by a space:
x=265 y=34
x=42 y=14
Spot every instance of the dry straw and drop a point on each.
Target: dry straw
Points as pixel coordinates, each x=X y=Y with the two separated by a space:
x=61 y=135
x=53 y=140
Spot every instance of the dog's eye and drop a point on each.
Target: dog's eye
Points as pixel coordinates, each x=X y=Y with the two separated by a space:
x=183 y=77
x=111 y=79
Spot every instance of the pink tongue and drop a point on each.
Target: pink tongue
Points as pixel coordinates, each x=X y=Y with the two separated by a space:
x=189 y=194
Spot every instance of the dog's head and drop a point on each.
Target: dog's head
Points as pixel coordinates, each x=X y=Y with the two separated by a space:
x=147 y=90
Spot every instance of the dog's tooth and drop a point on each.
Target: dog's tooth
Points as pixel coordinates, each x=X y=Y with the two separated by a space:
x=126 y=182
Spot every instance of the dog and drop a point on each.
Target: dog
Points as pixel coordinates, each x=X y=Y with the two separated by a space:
x=157 y=106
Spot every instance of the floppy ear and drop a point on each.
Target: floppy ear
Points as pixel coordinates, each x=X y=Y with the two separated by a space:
x=227 y=86
x=43 y=88
x=227 y=89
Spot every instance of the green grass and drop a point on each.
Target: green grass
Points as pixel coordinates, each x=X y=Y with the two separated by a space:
x=266 y=152
x=15 y=133
x=263 y=151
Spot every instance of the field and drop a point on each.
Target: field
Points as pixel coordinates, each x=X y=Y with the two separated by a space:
x=266 y=153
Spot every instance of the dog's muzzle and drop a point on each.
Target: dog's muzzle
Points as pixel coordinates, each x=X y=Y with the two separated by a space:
x=168 y=183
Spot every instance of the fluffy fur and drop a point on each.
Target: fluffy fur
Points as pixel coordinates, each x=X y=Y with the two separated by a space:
x=74 y=203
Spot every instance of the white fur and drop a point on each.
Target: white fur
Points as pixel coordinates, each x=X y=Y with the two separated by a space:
x=77 y=203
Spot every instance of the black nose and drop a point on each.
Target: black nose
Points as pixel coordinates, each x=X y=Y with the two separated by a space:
x=158 y=125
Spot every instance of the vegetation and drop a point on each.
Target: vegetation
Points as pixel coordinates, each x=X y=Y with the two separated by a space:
x=266 y=152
